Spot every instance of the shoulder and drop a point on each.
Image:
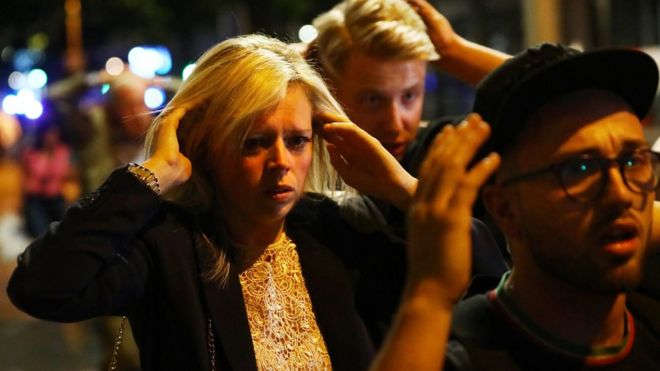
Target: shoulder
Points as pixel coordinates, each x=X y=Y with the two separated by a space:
x=475 y=321
x=487 y=258
x=645 y=309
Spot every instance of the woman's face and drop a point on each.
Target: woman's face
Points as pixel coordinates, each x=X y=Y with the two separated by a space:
x=262 y=183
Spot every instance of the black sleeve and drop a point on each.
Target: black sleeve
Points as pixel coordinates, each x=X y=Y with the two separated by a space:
x=456 y=357
x=89 y=263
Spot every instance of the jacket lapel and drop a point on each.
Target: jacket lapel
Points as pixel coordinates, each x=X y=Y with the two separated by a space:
x=227 y=310
x=330 y=292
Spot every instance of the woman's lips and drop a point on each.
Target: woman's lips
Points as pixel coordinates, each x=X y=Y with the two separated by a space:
x=279 y=193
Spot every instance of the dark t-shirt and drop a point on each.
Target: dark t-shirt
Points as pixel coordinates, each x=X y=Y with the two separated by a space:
x=490 y=333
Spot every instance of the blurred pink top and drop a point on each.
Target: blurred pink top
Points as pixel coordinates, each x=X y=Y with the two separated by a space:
x=46 y=173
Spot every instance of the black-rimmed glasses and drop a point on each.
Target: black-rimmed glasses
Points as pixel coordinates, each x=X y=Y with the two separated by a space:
x=584 y=177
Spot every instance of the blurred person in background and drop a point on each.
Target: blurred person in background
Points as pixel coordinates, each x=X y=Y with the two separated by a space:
x=50 y=176
x=108 y=131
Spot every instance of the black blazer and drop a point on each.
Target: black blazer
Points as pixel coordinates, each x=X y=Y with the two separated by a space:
x=120 y=251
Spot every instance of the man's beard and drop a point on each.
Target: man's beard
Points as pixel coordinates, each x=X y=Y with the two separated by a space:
x=579 y=269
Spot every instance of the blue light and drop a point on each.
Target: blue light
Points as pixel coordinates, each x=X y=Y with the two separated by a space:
x=431 y=81
x=37 y=78
x=165 y=60
x=24 y=103
x=154 y=97
x=147 y=61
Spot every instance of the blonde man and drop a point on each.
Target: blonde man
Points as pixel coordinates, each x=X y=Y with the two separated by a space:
x=375 y=53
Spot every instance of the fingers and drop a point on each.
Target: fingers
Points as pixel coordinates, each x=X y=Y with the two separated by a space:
x=348 y=135
x=328 y=117
x=170 y=123
x=445 y=166
x=334 y=132
x=431 y=17
x=174 y=118
x=467 y=191
x=422 y=7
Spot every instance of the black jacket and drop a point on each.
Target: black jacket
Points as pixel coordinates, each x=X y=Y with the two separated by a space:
x=122 y=252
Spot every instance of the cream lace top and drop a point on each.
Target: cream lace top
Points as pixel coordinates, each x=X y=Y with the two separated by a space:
x=282 y=324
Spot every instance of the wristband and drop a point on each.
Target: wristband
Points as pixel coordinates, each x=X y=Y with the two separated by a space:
x=146 y=176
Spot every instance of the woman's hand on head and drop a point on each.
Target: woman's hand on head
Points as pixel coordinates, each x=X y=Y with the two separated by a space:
x=440 y=216
x=364 y=164
x=166 y=161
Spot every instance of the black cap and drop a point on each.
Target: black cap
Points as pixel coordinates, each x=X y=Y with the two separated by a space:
x=511 y=93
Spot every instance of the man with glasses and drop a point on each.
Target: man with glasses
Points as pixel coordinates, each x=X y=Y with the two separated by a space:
x=574 y=196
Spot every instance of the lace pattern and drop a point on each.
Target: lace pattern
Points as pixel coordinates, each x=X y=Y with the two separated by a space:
x=284 y=331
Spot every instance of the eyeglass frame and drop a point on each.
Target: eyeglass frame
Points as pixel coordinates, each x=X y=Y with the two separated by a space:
x=604 y=164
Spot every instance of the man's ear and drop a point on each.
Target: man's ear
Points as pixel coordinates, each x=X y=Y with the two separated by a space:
x=502 y=207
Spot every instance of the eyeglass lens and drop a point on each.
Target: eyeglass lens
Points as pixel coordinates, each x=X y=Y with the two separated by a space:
x=585 y=177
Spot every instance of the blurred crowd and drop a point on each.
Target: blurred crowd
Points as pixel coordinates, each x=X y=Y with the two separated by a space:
x=85 y=132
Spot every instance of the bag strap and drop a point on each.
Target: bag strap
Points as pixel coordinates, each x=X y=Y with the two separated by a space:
x=211 y=342
x=120 y=337
x=115 y=352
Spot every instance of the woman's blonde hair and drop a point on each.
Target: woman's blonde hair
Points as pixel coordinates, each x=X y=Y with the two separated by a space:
x=380 y=28
x=232 y=84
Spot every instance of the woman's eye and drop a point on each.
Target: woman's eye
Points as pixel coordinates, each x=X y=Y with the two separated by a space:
x=372 y=100
x=298 y=141
x=252 y=144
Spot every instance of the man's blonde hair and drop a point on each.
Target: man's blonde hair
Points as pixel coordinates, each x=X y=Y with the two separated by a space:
x=381 y=28
x=232 y=84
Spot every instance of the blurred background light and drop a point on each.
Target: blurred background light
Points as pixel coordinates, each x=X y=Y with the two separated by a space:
x=431 y=81
x=25 y=59
x=147 y=61
x=25 y=102
x=165 y=60
x=105 y=88
x=10 y=130
x=38 y=41
x=9 y=104
x=17 y=80
x=33 y=109
x=7 y=54
x=37 y=78
x=114 y=66
x=154 y=97
x=187 y=70
x=307 y=33
x=141 y=62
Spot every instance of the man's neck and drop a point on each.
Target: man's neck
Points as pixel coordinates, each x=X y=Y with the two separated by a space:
x=569 y=313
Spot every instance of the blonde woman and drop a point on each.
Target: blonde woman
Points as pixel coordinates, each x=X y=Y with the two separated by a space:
x=212 y=247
